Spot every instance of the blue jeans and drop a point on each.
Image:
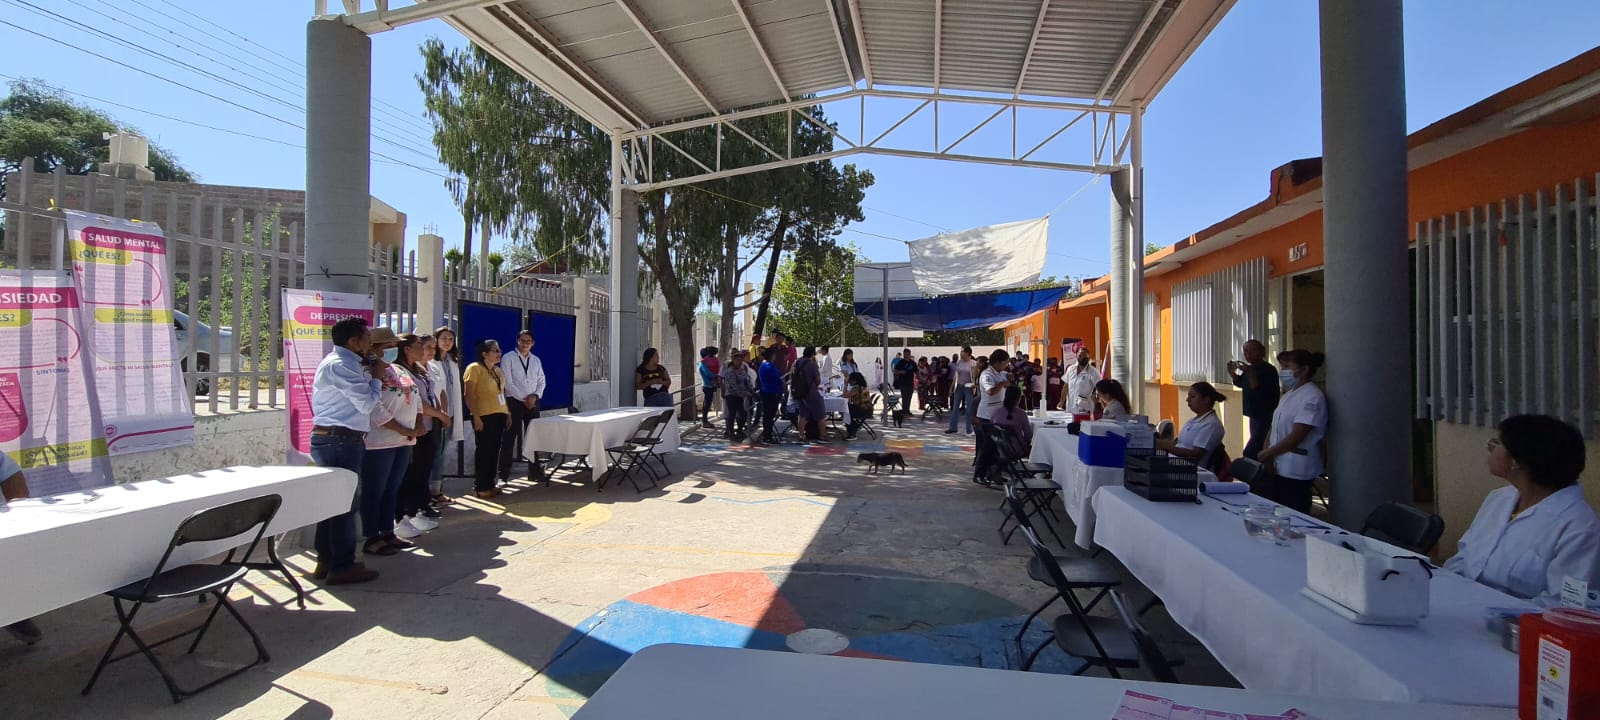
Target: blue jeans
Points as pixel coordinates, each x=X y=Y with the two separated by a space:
x=336 y=536
x=972 y=407
x=381 y=474
x=660 y=399
x=961 y=404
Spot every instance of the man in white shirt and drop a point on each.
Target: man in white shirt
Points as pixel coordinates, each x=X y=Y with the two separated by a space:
x=524 y=386
x=1081 y=379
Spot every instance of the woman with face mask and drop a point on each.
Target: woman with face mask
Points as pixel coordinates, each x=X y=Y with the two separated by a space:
x=1536 y=532
x=1294 y=449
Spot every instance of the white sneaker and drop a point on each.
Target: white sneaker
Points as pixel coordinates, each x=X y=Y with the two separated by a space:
x=406 y=530
x=422 y=522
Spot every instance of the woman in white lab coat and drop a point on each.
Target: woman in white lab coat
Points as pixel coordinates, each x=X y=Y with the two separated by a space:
x=1294 y=450
x=1538 y=534
x=1202 y=434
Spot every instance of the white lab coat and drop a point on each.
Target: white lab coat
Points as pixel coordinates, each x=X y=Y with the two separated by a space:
x=1202 y=433
x=1530 y=556
x=1304 y=405
x=1080 y=387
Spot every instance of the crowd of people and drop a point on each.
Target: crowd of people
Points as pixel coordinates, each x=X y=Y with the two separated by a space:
x=386 y=407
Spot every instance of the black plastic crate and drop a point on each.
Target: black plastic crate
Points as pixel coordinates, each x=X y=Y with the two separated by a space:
x=1156 y=476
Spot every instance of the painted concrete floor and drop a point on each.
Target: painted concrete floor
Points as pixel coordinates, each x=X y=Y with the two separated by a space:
x=522 y=608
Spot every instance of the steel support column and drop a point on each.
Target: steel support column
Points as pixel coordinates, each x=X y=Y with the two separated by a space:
x=1364 y=238
x=1135 y=341
x=1118 y=304
x=338 y=147
x=624 y=313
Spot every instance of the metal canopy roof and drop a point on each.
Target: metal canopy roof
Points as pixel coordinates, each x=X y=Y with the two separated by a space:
x=628 y=65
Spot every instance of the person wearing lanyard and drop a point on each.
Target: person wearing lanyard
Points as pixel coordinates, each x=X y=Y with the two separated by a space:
x=1537 y=535
x=412 y=513
x=652 y=379
x=483 y=389
x=344 y=391
x=1202 y=434
x=15 y=487
x=1294 y=450
x=962 y=399
x=446 y=367
x=524 y=378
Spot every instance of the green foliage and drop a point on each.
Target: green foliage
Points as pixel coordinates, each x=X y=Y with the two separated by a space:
x=1151 y=248
x=56 y=131
x=249 y=273
x=496 y=260
x=814 y=296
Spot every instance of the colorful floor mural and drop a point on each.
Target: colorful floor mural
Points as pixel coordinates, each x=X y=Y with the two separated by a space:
x=845 y=611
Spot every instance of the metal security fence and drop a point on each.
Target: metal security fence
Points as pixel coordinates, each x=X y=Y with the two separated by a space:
x=1506 y=317
x=230 y=254
x=1213 y=315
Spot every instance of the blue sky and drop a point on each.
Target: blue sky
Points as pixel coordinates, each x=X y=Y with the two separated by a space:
x=1246 y=102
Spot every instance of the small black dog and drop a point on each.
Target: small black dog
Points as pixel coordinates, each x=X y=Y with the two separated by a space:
x=899 y=417
x=877 y=460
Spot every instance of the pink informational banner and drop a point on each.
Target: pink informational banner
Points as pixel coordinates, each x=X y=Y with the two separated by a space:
x=49 y=420
x=121 y=271
x=308 y=318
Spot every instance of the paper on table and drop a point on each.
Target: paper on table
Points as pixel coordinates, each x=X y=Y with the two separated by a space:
x=1139 y=706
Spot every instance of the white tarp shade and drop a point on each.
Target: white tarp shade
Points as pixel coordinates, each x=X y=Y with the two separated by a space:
x=996 y=257
x=869 y=282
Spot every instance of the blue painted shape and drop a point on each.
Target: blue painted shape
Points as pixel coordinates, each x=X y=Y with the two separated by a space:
x=988 y=643
x=942 y=448
x=811 y=501
x=603 y=643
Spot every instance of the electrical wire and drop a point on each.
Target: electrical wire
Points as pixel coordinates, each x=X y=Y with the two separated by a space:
x=73 y=22
x=213 y=96
x=296 y=68
x=153 y=113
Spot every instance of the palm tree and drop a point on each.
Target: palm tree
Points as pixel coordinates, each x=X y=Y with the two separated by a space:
x=495 y=261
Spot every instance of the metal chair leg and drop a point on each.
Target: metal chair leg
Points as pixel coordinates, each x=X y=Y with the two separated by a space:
x=272 y=554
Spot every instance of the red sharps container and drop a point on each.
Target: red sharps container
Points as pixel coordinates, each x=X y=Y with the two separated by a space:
x=1559 y=656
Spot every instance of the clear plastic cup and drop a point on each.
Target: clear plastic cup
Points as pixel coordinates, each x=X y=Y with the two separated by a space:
x=1258 y=520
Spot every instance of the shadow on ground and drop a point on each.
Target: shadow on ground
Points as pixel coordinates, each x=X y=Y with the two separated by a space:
x=522 y=608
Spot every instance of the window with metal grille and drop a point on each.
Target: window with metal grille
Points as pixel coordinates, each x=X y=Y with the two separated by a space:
x=1213 y=315
x=1151 y=334
x=1506 y=312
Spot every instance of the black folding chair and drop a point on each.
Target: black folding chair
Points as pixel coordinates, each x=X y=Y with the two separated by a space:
x=1094 y=640
x=218 y=523
x=663 y=421
x=866 y=420
x=1253 y=473
x=1080 y=573
x=1404 y=526
x=1155 y=662
x=632 y=455
x=1029 y=481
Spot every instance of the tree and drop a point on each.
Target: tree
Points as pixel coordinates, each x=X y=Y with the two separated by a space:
x=495 y=261
x=533 y=168
x=452 y=264
x=1151 y=248
x=42 y=123
x=814 y=296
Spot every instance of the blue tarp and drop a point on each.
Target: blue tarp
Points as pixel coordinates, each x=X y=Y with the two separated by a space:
x=957 y=312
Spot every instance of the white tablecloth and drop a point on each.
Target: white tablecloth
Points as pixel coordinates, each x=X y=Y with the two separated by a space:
x=590 y=433
x=836 y=404
x=793 y=686
x=1078 y=481
x=56 y=553
x=1241 y=597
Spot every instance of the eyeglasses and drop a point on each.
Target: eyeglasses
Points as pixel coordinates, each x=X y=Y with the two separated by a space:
x=1493 y=444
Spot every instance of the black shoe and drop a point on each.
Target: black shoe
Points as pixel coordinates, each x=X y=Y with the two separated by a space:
x=351 y=576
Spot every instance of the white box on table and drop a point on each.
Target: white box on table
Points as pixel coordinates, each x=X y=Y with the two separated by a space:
x=1372 y=582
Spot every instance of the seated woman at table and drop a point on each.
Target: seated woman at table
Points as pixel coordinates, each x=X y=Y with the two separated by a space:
x=1112 y=399
x=1532 y=535
x=1014 y=419
x=859 y=399
x=1202 y=434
